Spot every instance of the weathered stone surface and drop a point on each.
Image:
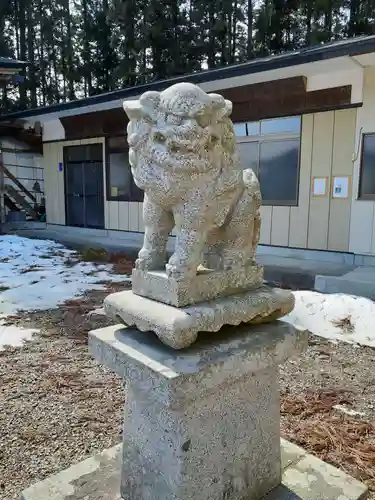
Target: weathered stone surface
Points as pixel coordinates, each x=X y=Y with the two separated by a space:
x=290 y=453
x=239 y=350
x=99 y=477
x=157 y=285
x=178 y=328
x=202 y=423
x=182 y=153
x=182 y=150
x=223 y=443
x=305 y=477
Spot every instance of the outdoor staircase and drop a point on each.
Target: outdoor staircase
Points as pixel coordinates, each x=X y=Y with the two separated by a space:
x=21 y=199
x=17 y=202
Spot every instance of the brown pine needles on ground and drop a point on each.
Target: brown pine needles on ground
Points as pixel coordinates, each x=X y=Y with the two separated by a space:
x=311 y=421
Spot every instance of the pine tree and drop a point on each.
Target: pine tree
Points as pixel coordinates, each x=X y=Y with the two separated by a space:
x=77 y=48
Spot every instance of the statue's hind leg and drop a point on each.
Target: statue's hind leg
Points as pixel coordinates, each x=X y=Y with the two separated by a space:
x=158 y=224
x=240 y=234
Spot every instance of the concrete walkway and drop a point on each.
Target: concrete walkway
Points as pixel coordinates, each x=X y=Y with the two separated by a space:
x=305 y=477
x=359 y=281
x=299 y=273
x=327 y=272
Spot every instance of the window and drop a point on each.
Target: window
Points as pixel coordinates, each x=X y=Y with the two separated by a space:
x=367 y=173
x=271 y=149
x=278 y=171
x=240 y=129
x=120 y=183
x=287 y=125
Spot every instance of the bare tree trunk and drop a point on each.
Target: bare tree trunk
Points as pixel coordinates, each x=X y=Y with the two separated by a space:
x=42 y=67
x=234 y=31
x=22 y=47
x=86 y=50
x=328 y=21
x=69 y=50
x=211 y=37
x=309 y=13
x=250 y=21
x=31 y=57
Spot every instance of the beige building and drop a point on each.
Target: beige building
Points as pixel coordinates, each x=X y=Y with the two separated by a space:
x=305 y=121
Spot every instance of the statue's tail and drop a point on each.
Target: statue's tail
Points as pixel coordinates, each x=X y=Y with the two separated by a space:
x=252 y=184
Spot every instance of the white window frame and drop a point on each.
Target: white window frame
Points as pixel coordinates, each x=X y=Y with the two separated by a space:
x=277 y=137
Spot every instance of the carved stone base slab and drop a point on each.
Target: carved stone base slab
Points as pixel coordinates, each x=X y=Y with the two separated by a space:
x=179 y=327
x=206 y=285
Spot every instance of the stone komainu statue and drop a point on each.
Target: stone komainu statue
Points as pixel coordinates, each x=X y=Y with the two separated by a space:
x=182 y=154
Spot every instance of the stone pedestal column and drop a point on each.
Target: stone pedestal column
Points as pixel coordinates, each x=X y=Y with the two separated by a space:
x=202 y=423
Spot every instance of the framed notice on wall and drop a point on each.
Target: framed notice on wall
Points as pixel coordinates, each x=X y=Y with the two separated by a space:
x=319 y=186
x=341 y=187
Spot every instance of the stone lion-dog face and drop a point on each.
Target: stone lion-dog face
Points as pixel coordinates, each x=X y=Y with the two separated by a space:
x=182 y=154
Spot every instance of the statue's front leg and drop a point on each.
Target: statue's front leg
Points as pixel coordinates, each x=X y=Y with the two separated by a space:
x=187 y=255
x=192 y=229
x=158 y=224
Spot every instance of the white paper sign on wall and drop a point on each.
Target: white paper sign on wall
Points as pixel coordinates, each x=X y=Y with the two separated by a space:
x=319 y=186
x=340 y=187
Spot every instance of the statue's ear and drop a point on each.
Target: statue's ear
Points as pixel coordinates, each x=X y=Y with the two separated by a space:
x=226 y=111
x=149 y=102
x=132 y=109
x=228 y=107
x=217 y=101
x=207 y=108
x=214 y=105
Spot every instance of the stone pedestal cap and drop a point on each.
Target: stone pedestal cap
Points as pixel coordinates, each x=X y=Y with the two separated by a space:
x=230 y=353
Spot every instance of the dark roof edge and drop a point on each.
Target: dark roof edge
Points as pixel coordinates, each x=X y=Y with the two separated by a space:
x=11 y=63
x=350 y=47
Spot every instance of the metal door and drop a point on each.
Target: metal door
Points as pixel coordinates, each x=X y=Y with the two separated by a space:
x=94 y=194
x=84 y=191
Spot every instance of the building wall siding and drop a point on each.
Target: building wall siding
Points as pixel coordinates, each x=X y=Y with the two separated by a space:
x=327 y=143
x=342 y=166
x=53 y=183
x=362 y=226
x=319 y=223
x=299 y=216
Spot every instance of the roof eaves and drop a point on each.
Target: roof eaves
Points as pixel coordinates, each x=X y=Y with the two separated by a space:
x=7 y=62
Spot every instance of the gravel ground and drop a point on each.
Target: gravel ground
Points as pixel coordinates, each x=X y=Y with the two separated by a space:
x=59 y=406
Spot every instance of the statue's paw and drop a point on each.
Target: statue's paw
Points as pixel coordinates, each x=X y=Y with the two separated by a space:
x=173 y=271
x=150 y=262
x=147 y=264
x=142 y=264
x=178 y=272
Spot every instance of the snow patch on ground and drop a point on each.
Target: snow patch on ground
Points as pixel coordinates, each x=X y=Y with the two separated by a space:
x=14 y=335
x=41 y=274
x=347 y=318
